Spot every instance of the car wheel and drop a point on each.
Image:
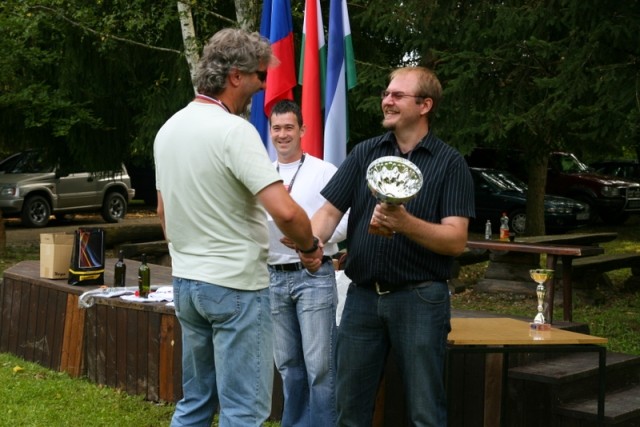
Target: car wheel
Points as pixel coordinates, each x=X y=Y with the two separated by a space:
x=114 y=207
x=518 y=220
x=36 y=211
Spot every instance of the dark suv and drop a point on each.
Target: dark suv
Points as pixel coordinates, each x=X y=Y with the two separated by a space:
x=609 y=197
x=34 y=190
x=627 y=169
x=613 y=198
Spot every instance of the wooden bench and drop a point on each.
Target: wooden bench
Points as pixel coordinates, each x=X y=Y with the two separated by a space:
x=588 y=272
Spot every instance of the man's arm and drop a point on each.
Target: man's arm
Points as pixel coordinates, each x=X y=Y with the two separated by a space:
x=325 y=221
x=449 y=237
x=292 y=220
x=160 y=212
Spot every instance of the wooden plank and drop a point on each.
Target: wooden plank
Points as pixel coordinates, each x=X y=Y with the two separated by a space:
x=473 y=390
x=90 y=344
x=121 y=348
x=136 y=333
x=111 y=347
x=501 y=246
x=501 y=331
x=493 y=389
x=142 y=380
x=153 y=360
x=167 y=361
x=571 y=238
x=22 y=331
x=60 y=302
x=41 y=343
x=14 y=323
x=606 y=262
x=97 y=352
x=31 y=326
x=73 y=339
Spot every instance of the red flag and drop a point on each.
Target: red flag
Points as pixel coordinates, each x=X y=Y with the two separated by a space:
x=312 y=74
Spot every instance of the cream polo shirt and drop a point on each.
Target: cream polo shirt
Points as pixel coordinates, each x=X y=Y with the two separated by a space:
x=209 y=166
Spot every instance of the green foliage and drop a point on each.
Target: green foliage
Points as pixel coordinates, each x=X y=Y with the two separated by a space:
x=95 y=80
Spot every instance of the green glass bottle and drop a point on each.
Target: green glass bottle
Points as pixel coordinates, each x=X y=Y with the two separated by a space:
x=119 y=271
x=144 y=278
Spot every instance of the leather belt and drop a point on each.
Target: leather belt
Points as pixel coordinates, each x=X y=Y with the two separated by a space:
x=385 y=288
x=294 y=266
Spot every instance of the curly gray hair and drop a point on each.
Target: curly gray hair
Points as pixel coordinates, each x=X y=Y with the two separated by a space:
x=227 y=49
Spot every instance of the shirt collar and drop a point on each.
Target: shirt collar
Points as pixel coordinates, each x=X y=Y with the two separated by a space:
x=427 y=141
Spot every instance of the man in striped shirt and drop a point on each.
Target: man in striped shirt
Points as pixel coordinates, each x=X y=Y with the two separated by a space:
x=399 y=298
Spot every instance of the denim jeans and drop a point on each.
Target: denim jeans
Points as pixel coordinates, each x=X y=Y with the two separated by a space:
x=414 y=325
x=303 y=308
x=227 y=348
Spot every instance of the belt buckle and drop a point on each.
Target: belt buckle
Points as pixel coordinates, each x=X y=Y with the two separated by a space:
x=379 y=292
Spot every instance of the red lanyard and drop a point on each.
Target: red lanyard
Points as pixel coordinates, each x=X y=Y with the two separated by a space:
x=213 y=101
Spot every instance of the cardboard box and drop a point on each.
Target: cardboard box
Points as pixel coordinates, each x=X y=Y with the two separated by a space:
x=55 y=255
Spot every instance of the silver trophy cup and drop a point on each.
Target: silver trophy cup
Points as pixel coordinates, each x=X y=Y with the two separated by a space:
x=393 y=180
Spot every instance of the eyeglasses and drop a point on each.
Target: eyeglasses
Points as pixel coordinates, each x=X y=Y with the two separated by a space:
x=397 y=96
x=262 y=75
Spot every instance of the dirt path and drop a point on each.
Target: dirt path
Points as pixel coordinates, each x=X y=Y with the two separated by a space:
x=17 y=234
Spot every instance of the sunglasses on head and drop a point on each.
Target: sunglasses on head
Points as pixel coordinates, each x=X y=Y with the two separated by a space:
x=262 y=75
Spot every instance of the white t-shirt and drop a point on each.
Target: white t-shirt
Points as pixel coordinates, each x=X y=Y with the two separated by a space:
x=310 y=178
x=209 y=166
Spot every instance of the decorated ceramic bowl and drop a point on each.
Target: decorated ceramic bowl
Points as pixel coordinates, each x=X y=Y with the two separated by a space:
x=394 y=179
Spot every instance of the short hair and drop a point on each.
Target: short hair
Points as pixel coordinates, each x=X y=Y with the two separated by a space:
x=227 y=49
x=428 y=84
x=287 y=106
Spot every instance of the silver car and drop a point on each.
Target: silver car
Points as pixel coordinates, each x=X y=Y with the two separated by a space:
x=34 y=191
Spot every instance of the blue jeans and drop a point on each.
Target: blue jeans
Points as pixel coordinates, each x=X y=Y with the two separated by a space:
x=227 y=348
x=412 y=323
x=303 y=308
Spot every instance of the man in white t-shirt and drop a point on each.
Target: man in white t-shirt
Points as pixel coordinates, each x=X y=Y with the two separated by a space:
x=214 y=182
x=303 y=304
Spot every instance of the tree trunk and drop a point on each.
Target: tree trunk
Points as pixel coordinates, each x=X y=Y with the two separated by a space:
x=3 y=236
x=537 y=166
x=246 y=14
x=189 y=39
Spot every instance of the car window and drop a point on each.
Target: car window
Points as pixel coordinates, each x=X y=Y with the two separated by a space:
x=503 y=181
x=26 y=162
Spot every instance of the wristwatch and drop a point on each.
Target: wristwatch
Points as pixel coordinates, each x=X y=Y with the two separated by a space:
x=312 y=249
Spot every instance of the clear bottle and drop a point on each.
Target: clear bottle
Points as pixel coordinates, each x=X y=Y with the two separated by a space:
x=119 y=271
x=487 y=230
x=504 y=227
x=144 y=278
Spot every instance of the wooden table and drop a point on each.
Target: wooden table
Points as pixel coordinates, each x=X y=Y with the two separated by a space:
x=506 y=335
x=554 y=252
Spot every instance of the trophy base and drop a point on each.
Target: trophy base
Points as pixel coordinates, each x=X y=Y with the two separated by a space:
x=539 y=326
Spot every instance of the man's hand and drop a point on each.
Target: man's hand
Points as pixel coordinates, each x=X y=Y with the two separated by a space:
x=312 y=260
x=386 y=219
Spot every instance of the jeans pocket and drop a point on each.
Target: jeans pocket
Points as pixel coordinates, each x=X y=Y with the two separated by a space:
x=325 y=270
x=436 y=293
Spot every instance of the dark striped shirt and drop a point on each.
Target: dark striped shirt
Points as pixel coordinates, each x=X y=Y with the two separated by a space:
x=447 y=191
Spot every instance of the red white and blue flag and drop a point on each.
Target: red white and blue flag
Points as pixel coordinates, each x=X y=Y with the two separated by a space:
x=277 y=26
